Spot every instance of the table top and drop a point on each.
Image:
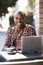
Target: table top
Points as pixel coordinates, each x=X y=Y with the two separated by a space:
x=19 y=56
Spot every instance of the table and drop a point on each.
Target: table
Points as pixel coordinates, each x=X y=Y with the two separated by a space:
x=31 y=62
x=20 y=57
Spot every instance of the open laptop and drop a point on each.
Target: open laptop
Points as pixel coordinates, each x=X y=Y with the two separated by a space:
x=31 y=44
x=32 y=47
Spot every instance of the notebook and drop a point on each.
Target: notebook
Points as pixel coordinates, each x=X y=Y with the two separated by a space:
x=31 y=44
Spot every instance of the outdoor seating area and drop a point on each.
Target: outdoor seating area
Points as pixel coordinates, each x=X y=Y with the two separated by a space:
x=21 y=22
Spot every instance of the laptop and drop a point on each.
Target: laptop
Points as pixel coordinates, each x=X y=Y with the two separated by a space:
x=31 y=44
x=32 y=47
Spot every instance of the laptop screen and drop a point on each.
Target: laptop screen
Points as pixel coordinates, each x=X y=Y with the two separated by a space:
x=31 y=44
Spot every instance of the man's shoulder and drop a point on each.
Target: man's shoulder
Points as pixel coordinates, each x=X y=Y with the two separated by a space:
x=31 y=29
x=11 y=29
x=29 y=26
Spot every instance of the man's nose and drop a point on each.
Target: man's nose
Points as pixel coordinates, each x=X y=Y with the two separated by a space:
x=19 y=21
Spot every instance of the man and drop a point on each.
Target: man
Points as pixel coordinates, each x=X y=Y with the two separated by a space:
x=21 y=29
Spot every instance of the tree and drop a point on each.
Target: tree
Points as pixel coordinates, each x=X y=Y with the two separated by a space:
x=4 y=4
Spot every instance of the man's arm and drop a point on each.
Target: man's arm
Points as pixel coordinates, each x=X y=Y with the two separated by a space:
x=8 y=39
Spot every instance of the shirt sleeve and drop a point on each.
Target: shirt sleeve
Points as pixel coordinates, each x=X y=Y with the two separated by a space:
x=9 y=37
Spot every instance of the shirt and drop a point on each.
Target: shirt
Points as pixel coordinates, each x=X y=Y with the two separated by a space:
x=13 y=34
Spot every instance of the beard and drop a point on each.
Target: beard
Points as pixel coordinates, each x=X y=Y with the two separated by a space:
x=21 y=25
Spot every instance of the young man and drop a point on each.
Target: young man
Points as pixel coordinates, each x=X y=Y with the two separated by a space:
x=21 y=29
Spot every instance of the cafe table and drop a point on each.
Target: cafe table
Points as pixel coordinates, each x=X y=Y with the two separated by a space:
x=18 y=56
x=21 y=59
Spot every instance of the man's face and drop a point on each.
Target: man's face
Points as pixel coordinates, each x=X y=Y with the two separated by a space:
x=19 y=20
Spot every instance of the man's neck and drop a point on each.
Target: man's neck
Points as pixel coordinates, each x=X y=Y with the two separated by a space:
x=19 y=29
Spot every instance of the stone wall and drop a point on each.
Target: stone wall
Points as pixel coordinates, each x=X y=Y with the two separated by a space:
x=41 y=16
x=38 y=16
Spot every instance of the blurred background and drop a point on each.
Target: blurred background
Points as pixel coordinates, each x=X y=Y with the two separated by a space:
x=7 y=11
